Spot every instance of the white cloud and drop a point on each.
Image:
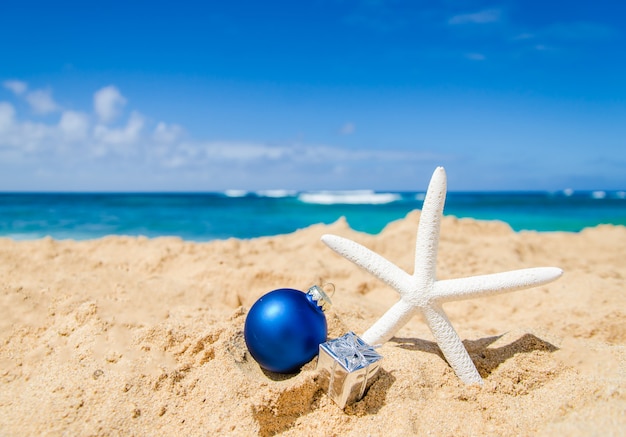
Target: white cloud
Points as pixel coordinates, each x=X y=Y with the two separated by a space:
x=167 y=133
x=78 y=139
x=41 y=101
x=74 y=125
x=244 y=151
x=482 y=17
x=129 y=134
x=348 y=128
x=107 y=103
x=72 y=128
x=30 y=136
x=304 y=154
x=16 y=86
x=175 y=162
x=24 y=136
x=223 y=157
x=335 y=154
x=7 y=116
x=475 y=56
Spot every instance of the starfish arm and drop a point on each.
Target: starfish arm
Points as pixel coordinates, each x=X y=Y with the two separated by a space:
x=484 y=285
x=395 y=318
x=427 y=242
x=451 y=345
x=370 y=261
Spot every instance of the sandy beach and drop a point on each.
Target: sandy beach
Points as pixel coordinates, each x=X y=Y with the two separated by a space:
x=137 y=336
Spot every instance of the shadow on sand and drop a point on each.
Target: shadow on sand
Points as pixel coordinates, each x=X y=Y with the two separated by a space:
x=485 y=358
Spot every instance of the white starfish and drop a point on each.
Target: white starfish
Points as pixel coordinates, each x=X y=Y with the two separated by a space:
x=421 y=292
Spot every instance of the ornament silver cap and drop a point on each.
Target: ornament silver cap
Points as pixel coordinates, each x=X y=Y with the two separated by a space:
x=319 y=296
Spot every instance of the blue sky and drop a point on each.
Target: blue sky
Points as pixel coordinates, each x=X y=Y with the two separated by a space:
x=324 y=94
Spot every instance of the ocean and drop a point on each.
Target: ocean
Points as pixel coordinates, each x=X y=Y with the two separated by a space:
x=241 y=214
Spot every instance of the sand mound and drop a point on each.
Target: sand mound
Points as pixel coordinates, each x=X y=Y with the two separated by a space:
x=131 y=336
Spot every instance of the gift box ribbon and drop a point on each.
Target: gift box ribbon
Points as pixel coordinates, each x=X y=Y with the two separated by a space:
x=353 y=352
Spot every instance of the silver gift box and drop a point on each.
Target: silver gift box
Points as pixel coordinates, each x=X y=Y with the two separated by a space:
x=347 y=367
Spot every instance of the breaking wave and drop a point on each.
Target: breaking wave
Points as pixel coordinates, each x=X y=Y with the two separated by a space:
x=358 y=197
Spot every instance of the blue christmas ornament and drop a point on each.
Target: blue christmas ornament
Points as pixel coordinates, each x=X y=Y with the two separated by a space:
x=285 y=327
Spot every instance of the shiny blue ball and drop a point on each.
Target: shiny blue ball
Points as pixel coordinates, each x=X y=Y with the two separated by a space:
x=284 y=329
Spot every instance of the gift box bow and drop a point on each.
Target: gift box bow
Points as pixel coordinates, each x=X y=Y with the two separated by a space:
x=352 y=352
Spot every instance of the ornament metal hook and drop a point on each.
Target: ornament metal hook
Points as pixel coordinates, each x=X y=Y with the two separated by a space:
x=330 y=285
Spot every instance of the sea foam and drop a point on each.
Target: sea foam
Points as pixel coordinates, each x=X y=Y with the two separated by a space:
x=275 y=193
x=235 y=193
x=363 y=197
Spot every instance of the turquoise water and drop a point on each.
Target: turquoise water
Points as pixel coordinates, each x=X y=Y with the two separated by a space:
x=209 y=216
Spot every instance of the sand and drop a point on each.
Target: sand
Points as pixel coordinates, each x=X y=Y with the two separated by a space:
x=136 y=336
